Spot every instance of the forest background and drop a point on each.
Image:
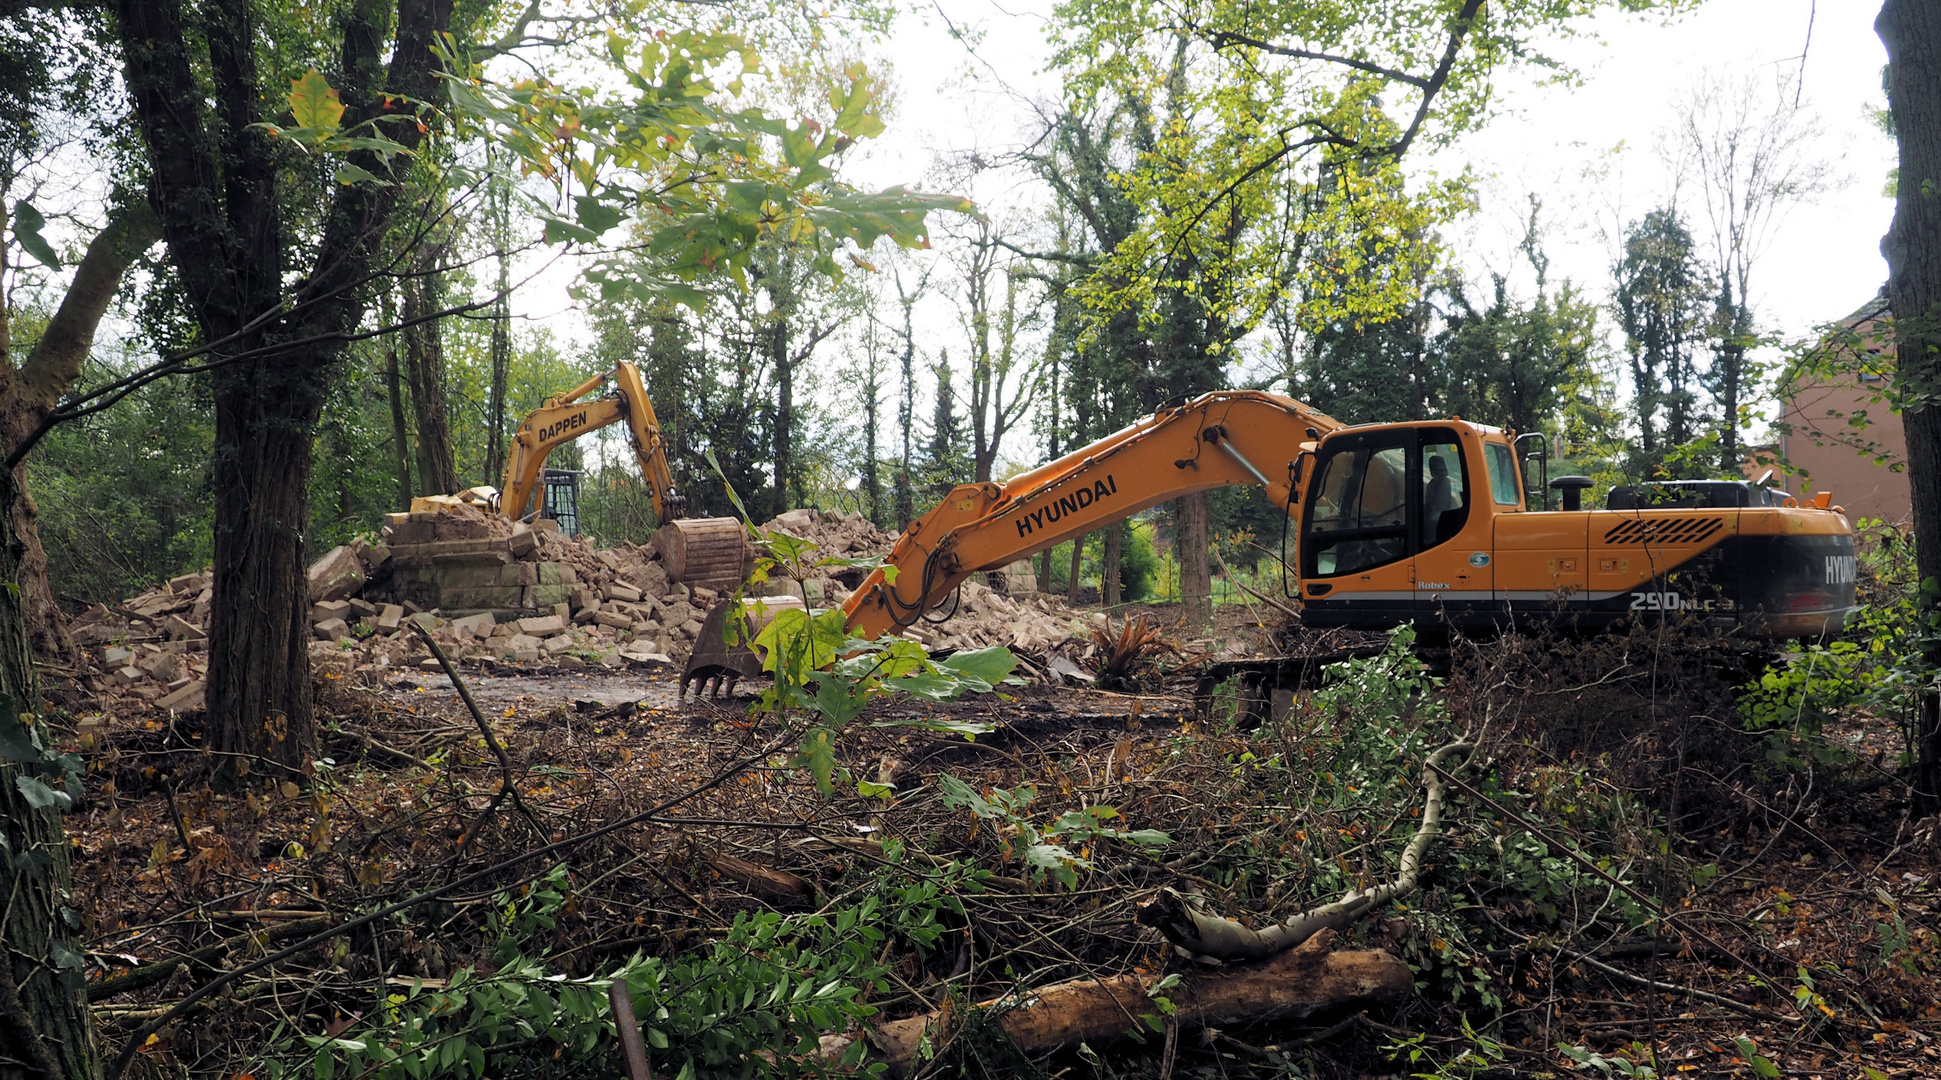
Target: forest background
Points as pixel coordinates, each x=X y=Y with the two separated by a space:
x=1570 y=267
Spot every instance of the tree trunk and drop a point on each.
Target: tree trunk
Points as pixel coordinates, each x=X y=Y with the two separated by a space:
x=1911 y=30
x=259 y=635
x=400 y=430
x=495 y=449
x=425 y=352
x=1078 y=562
x=1109 y=590
x=46 y=1032
x=1195 y=572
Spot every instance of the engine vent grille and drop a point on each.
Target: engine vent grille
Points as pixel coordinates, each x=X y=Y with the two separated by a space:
x=1681 y=530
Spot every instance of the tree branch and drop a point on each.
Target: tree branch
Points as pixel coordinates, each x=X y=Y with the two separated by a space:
x=1202 y=933
x=1222 y=39
x=56 y=359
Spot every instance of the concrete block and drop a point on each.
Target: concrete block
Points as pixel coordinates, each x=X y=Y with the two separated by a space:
x=613 y=619
x=545 y=596
x=519 y=573
x=480 y=625
x=390 y=616
x=523 y=543
x=376 y=556
x=617 y=591
x=335 y=576
x=182 y=630
x=541 y=626
x=563 y=611
x=188 y=697
x=450 y=527
x=114 y=658
x=520 y=648
x=332 y=630
x=362 y=607
x=329 y=609
x=545 y=527
x=128 y=676
x=162 y=667
x=410 y=532
x=496 y=597
x=559 y=643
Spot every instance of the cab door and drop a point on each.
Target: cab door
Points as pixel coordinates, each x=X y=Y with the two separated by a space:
x=1454 y=568
x=1357 y=545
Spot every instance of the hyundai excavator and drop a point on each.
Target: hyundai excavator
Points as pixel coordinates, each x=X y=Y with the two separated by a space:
x=1423 y=522
x=1426 y=522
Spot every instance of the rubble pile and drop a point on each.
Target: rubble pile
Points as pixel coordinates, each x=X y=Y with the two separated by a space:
x=1006 y=610
x=492 y=590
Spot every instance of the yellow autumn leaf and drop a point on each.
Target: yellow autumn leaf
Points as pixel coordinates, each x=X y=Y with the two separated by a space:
x=314 y=104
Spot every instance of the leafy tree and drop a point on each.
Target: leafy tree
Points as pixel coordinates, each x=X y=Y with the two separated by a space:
x=1511 y=363
x=1751 y=152
x=1661 y=303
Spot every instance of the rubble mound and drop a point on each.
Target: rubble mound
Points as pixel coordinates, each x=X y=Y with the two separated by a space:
x=492 y=590
x=1002 y=608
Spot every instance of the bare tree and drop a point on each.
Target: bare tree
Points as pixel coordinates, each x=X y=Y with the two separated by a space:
x=1749 y=150
x=1002 y=384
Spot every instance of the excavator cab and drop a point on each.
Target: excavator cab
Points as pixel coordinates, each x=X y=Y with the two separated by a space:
x=560 y=499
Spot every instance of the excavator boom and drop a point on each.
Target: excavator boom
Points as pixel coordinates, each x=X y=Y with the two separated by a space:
x=565 y=417
x=1219 y=439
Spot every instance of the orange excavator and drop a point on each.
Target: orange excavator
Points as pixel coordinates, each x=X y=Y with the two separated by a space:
x=700 y=551
x=1427 y=522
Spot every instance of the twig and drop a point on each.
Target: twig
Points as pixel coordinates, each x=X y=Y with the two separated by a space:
x=508 y=787
x=126 y=1056
x=1664 y=915
x=1689 y=991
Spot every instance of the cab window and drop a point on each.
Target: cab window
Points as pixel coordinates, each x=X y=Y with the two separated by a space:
x=1445 y=489
x=1503 y=484
x=1359 y=515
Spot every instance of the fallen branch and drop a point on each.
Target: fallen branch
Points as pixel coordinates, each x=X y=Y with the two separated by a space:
x=1293 y=985
x=1202 y=933
x=158 y=972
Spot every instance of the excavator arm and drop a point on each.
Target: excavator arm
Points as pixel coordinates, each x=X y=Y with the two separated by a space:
x=1220 y=439
x=565 y=417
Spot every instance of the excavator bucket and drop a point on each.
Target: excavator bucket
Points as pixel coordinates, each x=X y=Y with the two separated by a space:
x=717 y=664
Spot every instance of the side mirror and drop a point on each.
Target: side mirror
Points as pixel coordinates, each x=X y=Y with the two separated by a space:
x=1295 y=470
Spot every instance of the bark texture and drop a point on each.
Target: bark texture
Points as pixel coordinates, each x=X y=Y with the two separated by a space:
x=30 y=392
x=424 y=341
x=1195 y=569
x=1291 y=986
x=1911 y=31
x=45 y=1030
x=216 y=185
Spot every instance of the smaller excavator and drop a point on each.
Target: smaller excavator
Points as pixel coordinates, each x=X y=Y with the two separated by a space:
x=699 y=551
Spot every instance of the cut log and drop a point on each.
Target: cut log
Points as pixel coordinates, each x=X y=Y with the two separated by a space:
x=1292 y=985
x=712 y=552
x=775 y=886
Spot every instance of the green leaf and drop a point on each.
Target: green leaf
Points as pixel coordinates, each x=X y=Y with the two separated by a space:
x=990 y=666
x=351 y=174
x=39 y=795
x=27 y=224
x=594 y=214
x=559 y=231
x=313 y=104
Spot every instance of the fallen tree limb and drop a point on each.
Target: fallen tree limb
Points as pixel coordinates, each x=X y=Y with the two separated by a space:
x=159 y=971
x=1202 y=933
x=1293 y=985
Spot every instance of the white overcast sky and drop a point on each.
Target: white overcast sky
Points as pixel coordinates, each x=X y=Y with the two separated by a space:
x=1588 y=150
